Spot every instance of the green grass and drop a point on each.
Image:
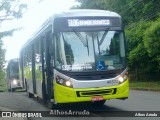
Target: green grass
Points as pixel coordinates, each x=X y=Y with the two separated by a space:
x=154 y=85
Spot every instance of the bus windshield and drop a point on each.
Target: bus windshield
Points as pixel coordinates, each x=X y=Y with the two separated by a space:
x=13 y=70
x=90 y=51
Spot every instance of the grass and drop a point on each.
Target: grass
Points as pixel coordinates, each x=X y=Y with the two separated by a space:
x=151 y=85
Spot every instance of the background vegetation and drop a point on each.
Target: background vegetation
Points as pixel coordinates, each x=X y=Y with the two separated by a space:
x=9 y=10
x=142 y=26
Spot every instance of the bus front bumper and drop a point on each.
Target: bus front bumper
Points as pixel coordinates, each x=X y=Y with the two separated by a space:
x=69 y=95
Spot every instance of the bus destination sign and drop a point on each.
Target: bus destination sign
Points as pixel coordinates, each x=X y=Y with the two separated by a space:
x=90 y=22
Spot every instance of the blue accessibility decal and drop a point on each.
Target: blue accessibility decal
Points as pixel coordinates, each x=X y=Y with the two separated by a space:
x=101 y=65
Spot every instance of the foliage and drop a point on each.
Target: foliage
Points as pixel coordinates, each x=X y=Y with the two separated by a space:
x=137 y=53
x=152 y=43
x=142 y=85
x=9 y=10
x=142 y=32
x=130 y=10
x=152 y=39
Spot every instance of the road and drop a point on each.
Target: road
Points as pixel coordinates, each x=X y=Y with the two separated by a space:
x=138 y=101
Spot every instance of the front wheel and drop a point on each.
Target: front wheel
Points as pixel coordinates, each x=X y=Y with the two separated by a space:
x=52 y=105
x=12 y=89
x=99 y=103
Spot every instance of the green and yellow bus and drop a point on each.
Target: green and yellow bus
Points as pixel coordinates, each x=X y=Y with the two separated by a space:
x=77 y=56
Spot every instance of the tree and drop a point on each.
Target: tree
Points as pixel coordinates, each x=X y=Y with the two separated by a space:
x=130 y=10
x=152 y=42
x=142 y=31
x=9 y=10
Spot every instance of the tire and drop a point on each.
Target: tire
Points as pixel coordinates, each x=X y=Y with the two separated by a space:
x=99 y=103
x=52 y=105
x=13 y=89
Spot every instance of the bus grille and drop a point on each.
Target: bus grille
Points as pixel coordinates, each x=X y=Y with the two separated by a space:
x=90 y=93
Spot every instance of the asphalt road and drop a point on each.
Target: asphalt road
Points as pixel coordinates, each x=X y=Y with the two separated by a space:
x=138 y=101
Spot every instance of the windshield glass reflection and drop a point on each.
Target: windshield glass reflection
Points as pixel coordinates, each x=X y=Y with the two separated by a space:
x=90 y=51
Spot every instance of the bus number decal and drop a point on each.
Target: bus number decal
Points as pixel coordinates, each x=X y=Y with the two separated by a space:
x=76 y=67
x=112 y=82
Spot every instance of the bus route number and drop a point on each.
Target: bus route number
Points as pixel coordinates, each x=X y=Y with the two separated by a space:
x=112 y=82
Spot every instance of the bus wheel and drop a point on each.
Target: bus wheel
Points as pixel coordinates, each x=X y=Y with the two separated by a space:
x=99 y=103
x=12 y=90
x=52 y=105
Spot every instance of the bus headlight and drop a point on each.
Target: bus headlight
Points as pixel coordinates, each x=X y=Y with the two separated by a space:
x=68 y=83
x=123 y=78
x=63 y=82
x=15 y=82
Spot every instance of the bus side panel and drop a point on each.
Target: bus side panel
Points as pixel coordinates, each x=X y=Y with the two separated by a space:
x=28 y=68
x=38 y=76
x=21 y=70
x=28 y=78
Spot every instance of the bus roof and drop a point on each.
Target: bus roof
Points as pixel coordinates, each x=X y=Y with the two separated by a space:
x=72 y=13
x=86 y=12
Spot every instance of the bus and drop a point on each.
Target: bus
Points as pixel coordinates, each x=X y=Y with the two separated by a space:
x=12 y=75
x=76 y=56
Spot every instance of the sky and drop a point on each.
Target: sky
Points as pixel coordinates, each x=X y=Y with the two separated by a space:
x=33 y=18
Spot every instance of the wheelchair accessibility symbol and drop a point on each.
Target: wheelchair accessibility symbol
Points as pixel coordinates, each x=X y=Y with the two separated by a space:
x=100 y=65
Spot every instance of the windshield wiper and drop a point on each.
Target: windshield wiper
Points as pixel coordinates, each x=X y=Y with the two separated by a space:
x=84 y=41
x=87 y=44
x=81 y=38
x=103 y=37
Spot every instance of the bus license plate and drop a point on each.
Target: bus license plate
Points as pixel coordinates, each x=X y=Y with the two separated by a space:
x=97 y=98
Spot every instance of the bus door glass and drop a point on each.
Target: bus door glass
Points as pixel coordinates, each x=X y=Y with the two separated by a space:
x=38 y=66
